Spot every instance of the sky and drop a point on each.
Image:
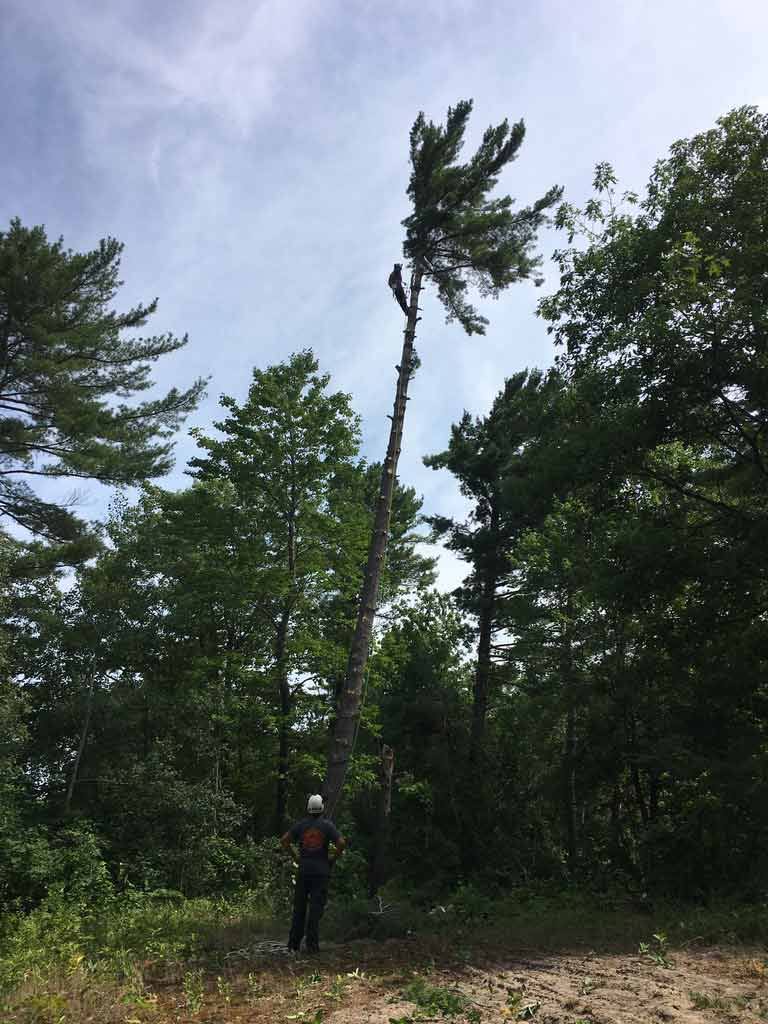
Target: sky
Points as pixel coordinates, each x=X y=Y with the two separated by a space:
x=253 y=159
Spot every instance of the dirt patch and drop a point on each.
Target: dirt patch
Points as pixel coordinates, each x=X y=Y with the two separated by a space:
x=419 y=980
x=365 y=983
x=712 y=985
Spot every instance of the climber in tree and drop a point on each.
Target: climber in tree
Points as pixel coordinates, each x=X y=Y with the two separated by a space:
x=396 y=284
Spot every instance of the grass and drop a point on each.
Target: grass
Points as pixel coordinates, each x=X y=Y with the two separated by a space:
x=657 y=950
x=573 y=922
x=700 y=1001
x=70 y=962
x=66 y=963
x=435 y=1000
x=194 y=990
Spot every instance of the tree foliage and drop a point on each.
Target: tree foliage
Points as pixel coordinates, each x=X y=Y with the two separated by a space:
x=457 y=232
x=632 y=610
x=616 y=566
x=67 y=364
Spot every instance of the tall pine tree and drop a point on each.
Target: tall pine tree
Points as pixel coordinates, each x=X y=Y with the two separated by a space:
x=65 y=367
x=455 y=236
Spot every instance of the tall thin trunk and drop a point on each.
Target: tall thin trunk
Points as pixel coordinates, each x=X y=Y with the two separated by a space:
x=637 y=785
x=471 y=848
x=283 y=720
x=218 y=741
x=281 y=663
x=80 y=745
x=654 y=785
x=348 y=711
x=634 y=771
x=570 y=783
x=145 y=725
x=217 y=734
x=569 y=748
x=381 y=842
x=615 y=818
x=482 y=683
x=652 y=724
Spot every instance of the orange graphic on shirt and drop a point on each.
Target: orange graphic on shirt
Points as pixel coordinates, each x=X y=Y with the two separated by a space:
x=312 y=841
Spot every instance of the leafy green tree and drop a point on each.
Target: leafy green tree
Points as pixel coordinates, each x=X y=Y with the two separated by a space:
x=289 y=453
x=158 y=669
x=629 y=593
x=66 y=367
x=26 y=859
x=455 y=235
x=186 y=620
x=662 y=319
x=418 y=692
x=489 y=457
x=667 y=310
x=281 y=450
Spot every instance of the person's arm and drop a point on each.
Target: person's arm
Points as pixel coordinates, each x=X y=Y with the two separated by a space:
x=340 y=845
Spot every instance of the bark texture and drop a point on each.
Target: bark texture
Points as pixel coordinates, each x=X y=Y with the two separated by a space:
x=348 y=710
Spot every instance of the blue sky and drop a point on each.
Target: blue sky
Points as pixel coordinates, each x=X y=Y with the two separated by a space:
x=253 y=158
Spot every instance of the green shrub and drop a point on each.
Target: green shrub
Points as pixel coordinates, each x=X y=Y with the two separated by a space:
x=273 y=877
x=471 y=905
x=83 y=875
x=435 y=999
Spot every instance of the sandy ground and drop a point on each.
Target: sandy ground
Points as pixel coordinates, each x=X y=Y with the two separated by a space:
x=363 y=983
x=604 y=989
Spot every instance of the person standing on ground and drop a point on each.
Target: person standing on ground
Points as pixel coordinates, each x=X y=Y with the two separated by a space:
x=313 y=836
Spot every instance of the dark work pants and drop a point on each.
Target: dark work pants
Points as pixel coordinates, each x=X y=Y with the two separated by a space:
x=312 y=889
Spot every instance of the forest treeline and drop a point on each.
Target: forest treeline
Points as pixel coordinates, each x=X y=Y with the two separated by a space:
x=591 y=704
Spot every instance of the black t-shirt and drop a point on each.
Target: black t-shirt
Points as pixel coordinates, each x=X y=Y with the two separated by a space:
x=313 y=835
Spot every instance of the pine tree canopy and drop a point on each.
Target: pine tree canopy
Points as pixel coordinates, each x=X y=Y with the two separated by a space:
x=64 y=367
x=456 y=233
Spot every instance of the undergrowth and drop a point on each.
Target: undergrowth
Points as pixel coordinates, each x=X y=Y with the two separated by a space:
x=69 y=960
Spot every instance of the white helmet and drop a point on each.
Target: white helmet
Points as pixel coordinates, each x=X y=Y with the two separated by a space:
x=315 y=804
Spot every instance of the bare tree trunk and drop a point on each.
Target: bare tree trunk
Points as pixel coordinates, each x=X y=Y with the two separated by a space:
x=348 y=711
x=145 y=725
x=283 y=719
x=569 y=749
x=570 y=783
x=652 y=724
x=615 y=818
x=634 y=771
x=379 y=858
x=80 y=745
x=471 y=848
x=639 y=794
x=654 y=785
x=281 y=663
x=482 y=683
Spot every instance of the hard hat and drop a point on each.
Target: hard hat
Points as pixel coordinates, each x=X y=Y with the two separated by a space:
x=315 y=804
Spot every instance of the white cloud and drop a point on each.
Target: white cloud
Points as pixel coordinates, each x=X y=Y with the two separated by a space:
x=223 y=58
x=253 y=157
